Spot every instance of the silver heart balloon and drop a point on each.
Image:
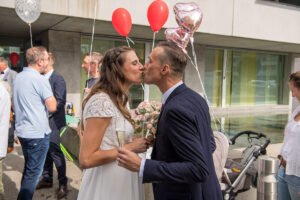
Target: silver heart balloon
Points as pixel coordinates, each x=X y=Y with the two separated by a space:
x=185 y=7
x=28 y=10
x=190 y=20
x=179 y=36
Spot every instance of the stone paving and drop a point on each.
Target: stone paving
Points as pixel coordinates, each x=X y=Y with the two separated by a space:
x=12 y=174
x=14 y=163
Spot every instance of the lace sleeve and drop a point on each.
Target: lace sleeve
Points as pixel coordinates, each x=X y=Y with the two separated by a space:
x=99 y=105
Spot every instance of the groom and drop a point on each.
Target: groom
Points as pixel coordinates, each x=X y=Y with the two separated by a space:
x=182 y=165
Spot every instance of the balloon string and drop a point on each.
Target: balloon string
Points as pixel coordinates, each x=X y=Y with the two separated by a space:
x=92 y=41
x=143 y=87
x=131 y=40
x=153 y=42
x=195 y=64
x=190 y=59
x=30 y=31
x=127 y=42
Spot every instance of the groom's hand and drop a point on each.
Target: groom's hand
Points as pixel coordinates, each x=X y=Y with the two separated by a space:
x=129 y=160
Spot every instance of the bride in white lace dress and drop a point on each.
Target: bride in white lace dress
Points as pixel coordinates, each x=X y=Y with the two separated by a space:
x=105 y=111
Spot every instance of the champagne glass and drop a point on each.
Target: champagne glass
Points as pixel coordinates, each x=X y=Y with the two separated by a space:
x=121 y=138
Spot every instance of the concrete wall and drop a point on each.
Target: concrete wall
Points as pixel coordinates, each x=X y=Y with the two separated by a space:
x=247 y=18
x=66 y=48
x=261 y=20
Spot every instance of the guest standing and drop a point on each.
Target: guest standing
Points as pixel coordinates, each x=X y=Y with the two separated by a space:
x=8 y=75
x=4 y=122
x=91 y=65
x=33 y=98
x=289 y=171
x=57 y=120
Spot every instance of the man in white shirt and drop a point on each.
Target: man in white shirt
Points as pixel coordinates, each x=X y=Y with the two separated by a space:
x=8 y=75
x=4 y=123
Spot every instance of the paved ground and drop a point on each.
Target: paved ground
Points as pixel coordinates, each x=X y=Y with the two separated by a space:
x=13 y=167
x=272 y=150
x=14 y=163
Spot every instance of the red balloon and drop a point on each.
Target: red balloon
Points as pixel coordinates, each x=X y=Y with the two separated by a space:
x=14 y=58
x=157 y=14
x=121 y=20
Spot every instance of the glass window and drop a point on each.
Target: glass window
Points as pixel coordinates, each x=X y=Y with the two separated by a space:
x=5 y=52
x=290 y=2
x=270 y=125
x=101 y=45
x=213 y=75
x=154 y=93
x=254 y=78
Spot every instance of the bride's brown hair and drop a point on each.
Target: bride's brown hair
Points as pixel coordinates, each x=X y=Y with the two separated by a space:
x=112 y=80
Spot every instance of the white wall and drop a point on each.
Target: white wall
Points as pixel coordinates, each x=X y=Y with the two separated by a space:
x=241 y=18
x=267 y=21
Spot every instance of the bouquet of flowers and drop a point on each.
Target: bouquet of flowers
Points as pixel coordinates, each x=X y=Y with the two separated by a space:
x=146 y=118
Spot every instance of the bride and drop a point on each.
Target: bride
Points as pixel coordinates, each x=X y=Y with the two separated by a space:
x=105 y=112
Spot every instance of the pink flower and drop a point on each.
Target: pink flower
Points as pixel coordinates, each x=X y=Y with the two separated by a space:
x=141 y=117
x=147 y=115
x=153 y=130
x=149 y=126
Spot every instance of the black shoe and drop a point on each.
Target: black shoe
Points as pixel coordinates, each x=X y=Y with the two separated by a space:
x=62 y=191
x=43 y=184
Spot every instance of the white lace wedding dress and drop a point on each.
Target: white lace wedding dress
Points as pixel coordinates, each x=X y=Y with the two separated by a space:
x=109 y=181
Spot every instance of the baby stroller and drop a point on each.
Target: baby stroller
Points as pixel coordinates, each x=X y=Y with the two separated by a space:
x=236 y=176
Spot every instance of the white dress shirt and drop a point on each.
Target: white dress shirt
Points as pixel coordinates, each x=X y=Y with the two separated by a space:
x=4 y=119
x=49 y=74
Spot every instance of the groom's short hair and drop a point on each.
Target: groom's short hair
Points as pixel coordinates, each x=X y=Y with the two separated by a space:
x=174 y=56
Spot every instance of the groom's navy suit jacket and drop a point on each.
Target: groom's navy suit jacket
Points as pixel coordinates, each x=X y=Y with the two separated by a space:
x=182 y=164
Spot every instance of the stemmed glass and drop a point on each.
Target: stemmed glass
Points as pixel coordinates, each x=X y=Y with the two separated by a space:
x=121 y=138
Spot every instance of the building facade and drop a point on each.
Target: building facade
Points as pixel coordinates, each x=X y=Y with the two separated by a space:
x=245 y=50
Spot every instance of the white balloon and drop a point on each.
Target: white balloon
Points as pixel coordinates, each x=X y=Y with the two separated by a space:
x=28 y=10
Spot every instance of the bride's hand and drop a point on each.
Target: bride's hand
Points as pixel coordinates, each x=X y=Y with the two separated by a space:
x=138 y=145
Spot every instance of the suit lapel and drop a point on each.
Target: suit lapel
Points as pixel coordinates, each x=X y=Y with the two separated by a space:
x=177 y=91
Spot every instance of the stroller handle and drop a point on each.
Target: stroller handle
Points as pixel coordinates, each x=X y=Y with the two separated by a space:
x=262 y=150
x=249 y=133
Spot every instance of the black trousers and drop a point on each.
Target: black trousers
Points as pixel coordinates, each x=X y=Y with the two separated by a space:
x=55 y=155
x=11 y=134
